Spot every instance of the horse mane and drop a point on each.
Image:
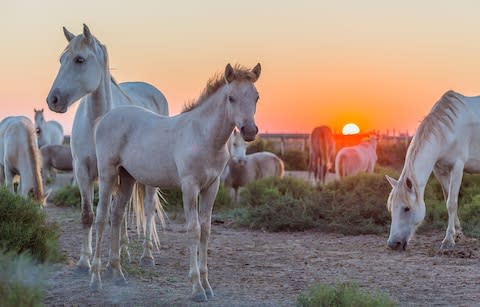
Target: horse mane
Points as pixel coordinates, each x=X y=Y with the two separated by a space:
x=34 y=153
x=441 y=117
x=241 y=73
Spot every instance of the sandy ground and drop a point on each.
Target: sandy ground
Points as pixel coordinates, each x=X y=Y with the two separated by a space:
x=253 y=268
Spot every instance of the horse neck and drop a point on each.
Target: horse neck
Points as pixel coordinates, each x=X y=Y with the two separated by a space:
x=99 y=102
x=420 y=161
x=213 y=115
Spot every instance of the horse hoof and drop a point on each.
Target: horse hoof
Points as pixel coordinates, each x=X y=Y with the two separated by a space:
x=209 y=293
x=447 y=246
x=147 y=261
x=199 y=297
x=95 y=286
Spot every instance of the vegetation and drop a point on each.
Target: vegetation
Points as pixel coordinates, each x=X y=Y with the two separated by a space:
x=69 y=196
x=342 y=295
x=20 y=280
x=23 y=228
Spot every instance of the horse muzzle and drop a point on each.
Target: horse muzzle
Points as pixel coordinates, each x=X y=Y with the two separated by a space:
x=249 y=131
x=397 y=244
x=56 y=102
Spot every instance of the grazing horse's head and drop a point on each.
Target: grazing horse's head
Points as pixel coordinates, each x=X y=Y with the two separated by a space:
x=82 y=66
x=38 y=115
x=407 y=208
x=242 y=97
x=237 y=148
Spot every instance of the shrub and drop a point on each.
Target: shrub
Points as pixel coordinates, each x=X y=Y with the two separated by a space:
x=69 y=196
x=20 y=280
x=174 y=200
x=296 y=160
x=342 y=295
x=392 y=154
x=23 y=227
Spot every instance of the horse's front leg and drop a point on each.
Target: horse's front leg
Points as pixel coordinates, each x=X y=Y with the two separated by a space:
x=456 y=174
x=85 y=184
x=205 y=207
x=150 y=202
x=190 y=197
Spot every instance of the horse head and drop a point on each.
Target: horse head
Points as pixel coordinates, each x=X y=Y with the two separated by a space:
x=242 y=97
x=407 y=208
x=237 y=148
x=82 y=67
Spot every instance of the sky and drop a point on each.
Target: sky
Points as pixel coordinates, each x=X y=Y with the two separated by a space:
x=378 y=64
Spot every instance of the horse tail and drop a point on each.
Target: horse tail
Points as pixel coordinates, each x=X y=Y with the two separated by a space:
x=137 y=208
x=36 y=158
x=280 y=168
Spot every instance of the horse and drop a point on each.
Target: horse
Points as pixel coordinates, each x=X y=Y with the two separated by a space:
x=356 y=159
x=188 y=150
x=50 y=132
x=243 y=169
x=84 y=73
x=19 y=155
x=447 y=143
x=322 y=153
x=56 y=157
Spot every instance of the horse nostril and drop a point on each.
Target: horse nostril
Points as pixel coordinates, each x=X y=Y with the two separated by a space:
x=242 y=130
x=256 y=129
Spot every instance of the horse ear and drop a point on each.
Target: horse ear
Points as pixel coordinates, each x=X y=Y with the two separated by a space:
x=41 y=110
x=392 y=181
x=256 y=70
x=68 y=35
x=87 y=33
x=229 y=73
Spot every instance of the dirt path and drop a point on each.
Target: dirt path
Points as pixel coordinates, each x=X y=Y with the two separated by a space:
x=253 y=268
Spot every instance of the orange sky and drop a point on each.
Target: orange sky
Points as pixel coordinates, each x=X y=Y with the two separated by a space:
x=379 y=64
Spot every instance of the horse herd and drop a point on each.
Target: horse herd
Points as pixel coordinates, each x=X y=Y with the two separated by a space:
x=123 y=137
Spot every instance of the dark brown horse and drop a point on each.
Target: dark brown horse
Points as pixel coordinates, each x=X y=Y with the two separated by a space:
x=322 y=153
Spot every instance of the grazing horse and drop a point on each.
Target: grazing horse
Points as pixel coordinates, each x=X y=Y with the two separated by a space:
x=447 y=142
x=84 y=73
x=50 y=132
x=322 y=153
x=243 y=169
x=56 y=157
x=19 y=155
x=356 y=159
x=187 y=151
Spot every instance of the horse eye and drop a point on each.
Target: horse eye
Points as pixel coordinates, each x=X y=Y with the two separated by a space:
x=406 y=209
x=231 y=99
x=79 y=60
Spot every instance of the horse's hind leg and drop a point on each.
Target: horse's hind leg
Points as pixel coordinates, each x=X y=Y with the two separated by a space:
x=207 y=198
x=117 y=217
x=149 y=203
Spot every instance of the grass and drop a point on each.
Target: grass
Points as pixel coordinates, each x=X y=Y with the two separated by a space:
x=342 y=295
x=21 y=280
x=24 y=228
x=69 y=196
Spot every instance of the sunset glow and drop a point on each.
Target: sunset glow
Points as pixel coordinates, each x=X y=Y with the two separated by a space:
x=350 y=129
x=380 y=64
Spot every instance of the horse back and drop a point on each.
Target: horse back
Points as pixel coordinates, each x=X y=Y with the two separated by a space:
x=142 y=94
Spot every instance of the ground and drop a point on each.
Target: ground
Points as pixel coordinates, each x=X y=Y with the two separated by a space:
x=255 y=268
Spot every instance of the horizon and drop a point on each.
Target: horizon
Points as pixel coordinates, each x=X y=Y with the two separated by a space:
x=379 y=65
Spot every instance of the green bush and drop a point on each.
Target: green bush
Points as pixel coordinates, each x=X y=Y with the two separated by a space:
x=260 y=145
x=23 y=228
x=69 y=196
x=342 y=295
x=21 y=281
x=296 y=160
x=392 y=154
x=173 y=196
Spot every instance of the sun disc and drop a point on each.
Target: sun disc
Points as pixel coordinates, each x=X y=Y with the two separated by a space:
x=350 y=129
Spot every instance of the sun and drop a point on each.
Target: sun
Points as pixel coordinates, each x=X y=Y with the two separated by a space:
x=350 y=129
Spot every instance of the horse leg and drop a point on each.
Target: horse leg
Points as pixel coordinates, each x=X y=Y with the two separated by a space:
x=85 y=184
x=117 y=218
x=124 y=241
x=2 y=175
x=106 y=183
x=190 y=199
x=206 y=201
x=456 y=174
x=149 y=203
x=9 y=178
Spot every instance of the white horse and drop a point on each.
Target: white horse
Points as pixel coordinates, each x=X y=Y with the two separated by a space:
x=322 y=153
x=187 y=151
x=50 y=132
x=447 y=142
x=19 y=155
x=56 y=157
x=243 y=169
x=84 y=73
x=356 y=159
